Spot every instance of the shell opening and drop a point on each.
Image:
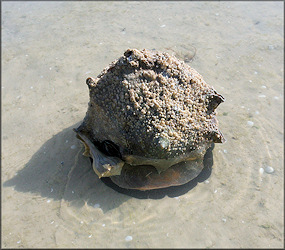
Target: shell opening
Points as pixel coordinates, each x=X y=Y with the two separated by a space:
x=103 y=165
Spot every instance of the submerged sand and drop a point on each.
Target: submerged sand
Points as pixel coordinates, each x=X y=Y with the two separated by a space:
x=50 y=195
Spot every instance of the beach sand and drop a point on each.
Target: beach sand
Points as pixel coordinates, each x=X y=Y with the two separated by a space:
x=50 y=195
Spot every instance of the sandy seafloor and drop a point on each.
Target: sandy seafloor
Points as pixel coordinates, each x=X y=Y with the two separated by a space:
x=50 y=195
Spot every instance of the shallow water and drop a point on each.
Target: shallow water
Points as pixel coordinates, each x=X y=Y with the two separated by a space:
x=50 y=195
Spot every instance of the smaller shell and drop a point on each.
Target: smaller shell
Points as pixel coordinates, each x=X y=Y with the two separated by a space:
x=269 y=170
x=261 y=170
x=129 y=238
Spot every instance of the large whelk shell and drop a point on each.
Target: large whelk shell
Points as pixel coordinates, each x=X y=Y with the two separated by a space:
x=150 y=120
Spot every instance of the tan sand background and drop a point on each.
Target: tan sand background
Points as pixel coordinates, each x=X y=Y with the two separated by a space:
x=50 y=195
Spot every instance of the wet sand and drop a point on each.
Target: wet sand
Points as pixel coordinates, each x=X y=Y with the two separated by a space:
x=50 y=195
